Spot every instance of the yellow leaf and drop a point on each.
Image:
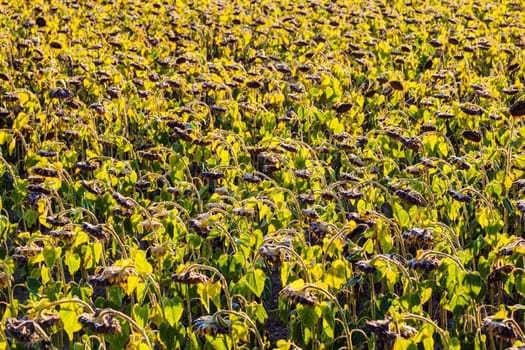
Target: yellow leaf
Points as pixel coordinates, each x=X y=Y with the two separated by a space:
x=224 y=157
x=131 y=284
x=97 y=251
x=141 y=263
x=44 y=274
x=11 y=146
x=69 y=313
x=317 y=272
x=508 y=181
x=21 y=120
x=24 y=97
x=5 y=137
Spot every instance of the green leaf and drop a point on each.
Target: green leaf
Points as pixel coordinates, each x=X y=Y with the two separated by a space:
x=308 y=315
x=31 y=217
x=454 y=344
x=5 y=137
x=328 y=93
x=256 y=312
x=328 y=320
x=68 y=314
x=459 y=301
x=173 y=309
x=33 y=284
x=473 y=283
x=72 y=261
x=21 y=120
x=255 y=280
x=410 y=302
x=119 y=341
x=220 y=343
x=425 y=335
x=443 y=148
x=401 y=216
x=51 y=254
x=97 y=251
x=425 y=295
x=224 y=157
x=167 y=336
x=141 y=263
x=336 y=126
x=140 y=314
x=336 y=275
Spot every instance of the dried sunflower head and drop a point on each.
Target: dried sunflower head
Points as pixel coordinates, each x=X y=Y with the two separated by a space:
x=303 y=174
x=244 y=212
x=273 y=253
x=92 y=188
x=310 y=213
x=28 y=250
x=209 y=325
x=410 y=197
x=190 y=277
x=306 y=198
x=111 y=275
x=517 y=109
x=45 y=172
x=473 y=135
x=96 y=231
x=251 y=178
x=418 y=235
x=104 y=324
x=65 y=235
x=123 y=201
x=388 y=330
x=298 y=297
x=499 y=273
x=366 y=267
x=212 y=175
x=499 y=329
x=423 y=264
x=460 y=197
x=25 y=331
x=48 y=320
x=86 y=166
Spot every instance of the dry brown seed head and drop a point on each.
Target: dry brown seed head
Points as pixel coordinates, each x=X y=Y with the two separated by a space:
x=190 y=277
x=366 y=267
x=46 y=172
x=92 y=188
x=410 y=197
x=101 y=325
x=517 y=109
x=244 y=212
x=123 y=201
x=306 y=198
x=303 y=174
x=473 y=135
x=111 y=275
x=499 y=329
x=208 y=325
x=298 y=297
x=423 y=264
x=460 y=197
x=25 y=331
x=96 y=231
x=472 y=109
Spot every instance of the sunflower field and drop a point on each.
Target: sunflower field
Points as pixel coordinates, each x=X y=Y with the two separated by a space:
x=258 y=174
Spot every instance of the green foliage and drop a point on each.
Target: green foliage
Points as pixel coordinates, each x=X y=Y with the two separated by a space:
x=261 y=175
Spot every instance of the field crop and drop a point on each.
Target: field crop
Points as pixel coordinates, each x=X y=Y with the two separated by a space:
x=262 y=174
